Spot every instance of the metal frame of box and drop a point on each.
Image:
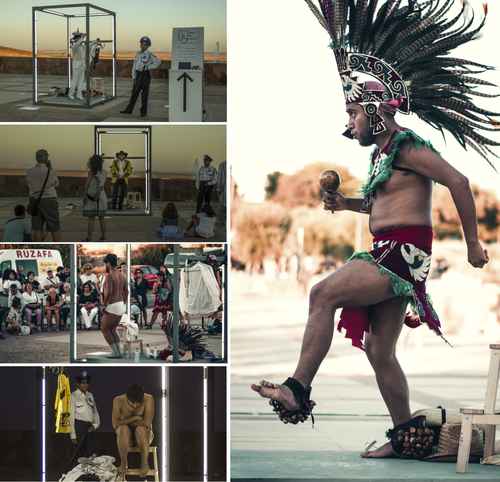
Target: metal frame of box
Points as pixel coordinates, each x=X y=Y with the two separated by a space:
x=58 y=10
x=146 y=131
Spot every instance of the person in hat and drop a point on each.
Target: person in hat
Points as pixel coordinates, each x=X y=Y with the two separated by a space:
x=206 y=179
x=84 y=416
x=115 y=297
x=78 y=63
x=392 y=57
x=144 y=62
x=121 y=170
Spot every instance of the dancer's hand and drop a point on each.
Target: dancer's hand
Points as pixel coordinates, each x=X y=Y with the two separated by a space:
x=477 y=255
x=333 y=201
x=74 y=441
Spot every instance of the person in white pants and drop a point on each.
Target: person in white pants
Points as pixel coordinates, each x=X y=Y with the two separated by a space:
x=78 y=52
x=88 y=316
x=89 y=308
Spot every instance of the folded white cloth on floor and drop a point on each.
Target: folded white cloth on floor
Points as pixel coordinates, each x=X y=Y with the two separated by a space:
x=101 y=467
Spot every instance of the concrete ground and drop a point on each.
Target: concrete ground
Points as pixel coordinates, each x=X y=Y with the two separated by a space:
x=119 y=228
x=36 y=348
x=16 y=103
x=267 y=323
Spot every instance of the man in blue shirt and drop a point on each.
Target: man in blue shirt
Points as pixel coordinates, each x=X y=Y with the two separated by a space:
x=17 y=229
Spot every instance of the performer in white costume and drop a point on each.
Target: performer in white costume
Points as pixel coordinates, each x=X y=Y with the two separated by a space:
x=78 y=52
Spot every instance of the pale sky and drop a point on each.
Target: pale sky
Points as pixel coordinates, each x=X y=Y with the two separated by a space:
x=285 y=102
x=134 y=19
x=174 y=148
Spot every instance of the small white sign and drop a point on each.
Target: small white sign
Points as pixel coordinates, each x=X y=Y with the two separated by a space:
x=188 y=45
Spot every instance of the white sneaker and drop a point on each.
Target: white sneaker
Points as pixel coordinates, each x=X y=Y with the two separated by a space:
x=71 y=96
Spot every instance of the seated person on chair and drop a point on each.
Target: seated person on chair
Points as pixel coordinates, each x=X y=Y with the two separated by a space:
x=88 y=304
x=132 y=419
x=32 y=307
x=53 y=309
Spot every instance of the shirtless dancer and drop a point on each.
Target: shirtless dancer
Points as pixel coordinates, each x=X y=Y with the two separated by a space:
x=132 y=419
x=374 y=288
x=115 y=295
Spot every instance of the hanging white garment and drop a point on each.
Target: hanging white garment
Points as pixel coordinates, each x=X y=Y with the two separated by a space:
x=199 y=293
x=102 y=467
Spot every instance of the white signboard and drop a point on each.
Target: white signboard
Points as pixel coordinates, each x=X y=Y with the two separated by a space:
x=185 y=92
x=188 y=45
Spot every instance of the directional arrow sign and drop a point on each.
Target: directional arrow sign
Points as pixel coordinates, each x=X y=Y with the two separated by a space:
x=185 y=77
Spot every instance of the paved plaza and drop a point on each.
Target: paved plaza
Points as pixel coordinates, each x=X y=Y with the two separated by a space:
x=267 y=325
x=16 y=103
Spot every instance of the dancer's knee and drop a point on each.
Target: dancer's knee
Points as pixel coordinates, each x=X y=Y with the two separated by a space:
x=324 y=294
x=141 y=435
x=123 y=434
x=378 y=354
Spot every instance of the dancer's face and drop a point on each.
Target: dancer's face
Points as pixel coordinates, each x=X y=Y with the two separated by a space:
x=134 y=405
x=359 y=125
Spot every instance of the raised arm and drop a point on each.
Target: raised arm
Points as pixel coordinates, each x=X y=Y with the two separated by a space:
x=430 y=164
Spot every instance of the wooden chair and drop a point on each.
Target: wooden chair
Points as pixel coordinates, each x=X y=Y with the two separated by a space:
x=154 y=472
x=134 y=199
x=97 y=86
x=489 y=416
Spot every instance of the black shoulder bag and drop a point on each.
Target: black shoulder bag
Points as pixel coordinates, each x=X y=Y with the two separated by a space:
x=33 y=202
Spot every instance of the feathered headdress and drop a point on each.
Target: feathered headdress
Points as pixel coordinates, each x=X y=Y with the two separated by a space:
x=191 y=338
x=405 y=47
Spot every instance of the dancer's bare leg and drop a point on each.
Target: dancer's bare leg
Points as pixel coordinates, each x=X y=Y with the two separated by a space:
x=142 y=439
x=109 y=322
x=386 y=323
x=357 y=283
x=123 y=435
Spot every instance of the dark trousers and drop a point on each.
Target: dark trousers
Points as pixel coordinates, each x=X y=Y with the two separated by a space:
x=119 y=193
x=84 y=439
x=141 y=86
x=204 y=195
